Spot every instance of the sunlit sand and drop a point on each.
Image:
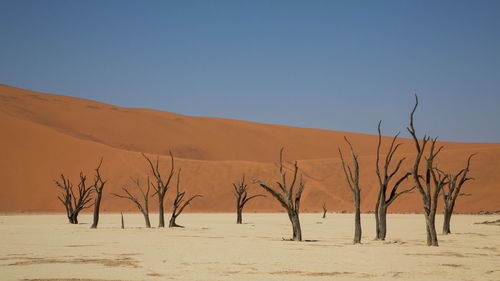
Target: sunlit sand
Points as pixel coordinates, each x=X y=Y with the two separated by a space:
x=213 y=247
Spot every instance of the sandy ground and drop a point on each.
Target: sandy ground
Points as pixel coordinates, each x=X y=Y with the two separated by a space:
x=213 y=247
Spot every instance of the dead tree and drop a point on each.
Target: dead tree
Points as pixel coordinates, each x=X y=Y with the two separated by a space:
x=98 y=186
x=384 y=178
x=161 y=187
x=451 y=193
x=287 y=199
x=74 y=203
x=144 y=208
x=429 y=186
x=353 y=184
x=179 y=203
x=240 y=193
x=324 y=210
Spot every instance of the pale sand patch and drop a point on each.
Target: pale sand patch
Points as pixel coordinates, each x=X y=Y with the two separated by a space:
x=213 y=247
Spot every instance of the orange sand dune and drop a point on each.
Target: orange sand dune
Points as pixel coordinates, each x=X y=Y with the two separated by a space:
x=44 y=135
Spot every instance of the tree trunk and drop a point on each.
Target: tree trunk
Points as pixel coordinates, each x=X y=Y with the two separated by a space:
x=239 y=217
x=172 y=222
x=297 y=231
x=123 y=222
x=446 y=222
x=382 y=222
x=161 y=216
x=74 y=218
x=377 y=219
x=431 y=230
x=146 y=218
x=357 y=220
x=324 y=214
x=97 y=204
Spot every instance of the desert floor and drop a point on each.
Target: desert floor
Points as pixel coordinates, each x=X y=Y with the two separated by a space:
x=213 y=247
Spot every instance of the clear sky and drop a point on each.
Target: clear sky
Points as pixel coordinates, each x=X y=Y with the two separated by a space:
x=340 y=65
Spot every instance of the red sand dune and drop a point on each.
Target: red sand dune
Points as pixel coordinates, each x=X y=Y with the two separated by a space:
x=44 y=135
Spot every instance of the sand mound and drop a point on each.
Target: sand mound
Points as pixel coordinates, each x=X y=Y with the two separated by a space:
x=44 y=135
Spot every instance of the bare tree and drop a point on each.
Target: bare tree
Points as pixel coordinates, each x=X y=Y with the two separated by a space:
x=74 y=203
x=144 y=208
x=451 y=193
x=179 y=203
x=98 y=186
x=384 y=179
x=324 y=210
x=353 y=184
x=430 y=186
x=240 y=193
x=286 y=197
x=161 y=186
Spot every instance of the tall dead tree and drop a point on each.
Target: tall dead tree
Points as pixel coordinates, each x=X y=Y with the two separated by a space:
x=74 y=203
x=286 y=197
x=241 y=195
x=429 y=186
x=324 y=210
x=451 y=193
x=144 y=208
x=384 y=179
x=353 y=184
x=179 y=203
x=98 y=186
x=161 y=187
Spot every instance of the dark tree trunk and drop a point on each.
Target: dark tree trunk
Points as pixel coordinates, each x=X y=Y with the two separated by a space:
x=161 y=216
x=383 y=224
x=357 y=220
x=446 y=222
x=296 y=229
x=238 y=216
x=172 y=222
x=123 y=222
x=97 y=204
x=146 y=219
x=377 y=220
x=74 y=218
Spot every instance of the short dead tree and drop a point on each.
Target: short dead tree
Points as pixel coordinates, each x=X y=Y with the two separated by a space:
x=98 y=186
x=161 y=187
x=451 y=192
x=324 y=210
x=429 y=186
x=179 y=203
x=241 y=195
x=286 y=197
x=74 y=203
x=353 y=184
x=384 y=178
x=144 y=208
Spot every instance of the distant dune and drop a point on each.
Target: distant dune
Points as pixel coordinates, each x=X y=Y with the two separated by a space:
x=43 y=135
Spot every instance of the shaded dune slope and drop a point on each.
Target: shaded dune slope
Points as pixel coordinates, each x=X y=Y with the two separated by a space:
x=44 y=135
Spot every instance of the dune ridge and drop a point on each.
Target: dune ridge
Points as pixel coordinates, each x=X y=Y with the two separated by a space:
x=44 y=135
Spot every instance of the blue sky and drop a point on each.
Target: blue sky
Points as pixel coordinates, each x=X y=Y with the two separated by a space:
x=340 y=65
